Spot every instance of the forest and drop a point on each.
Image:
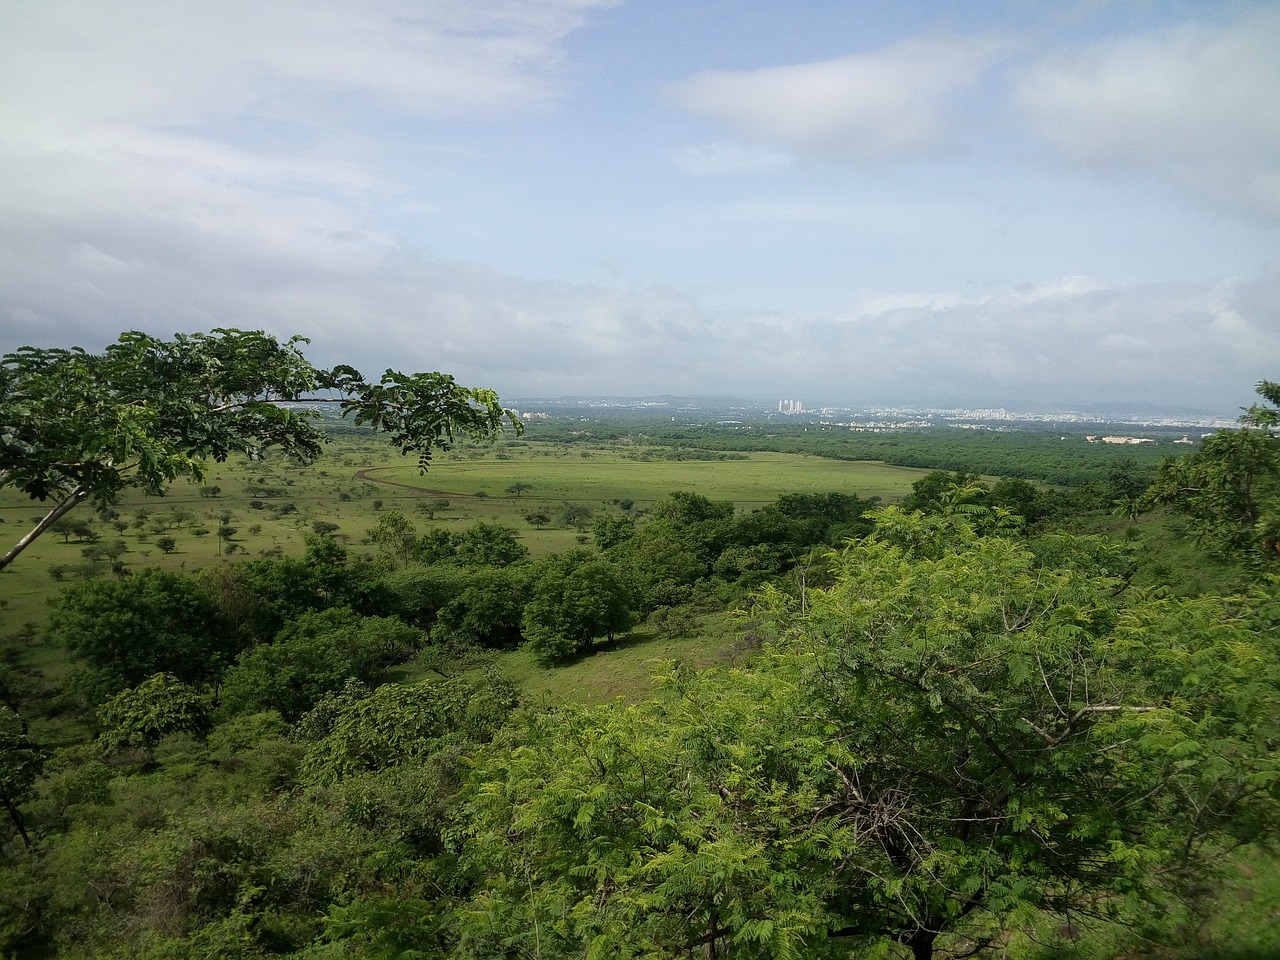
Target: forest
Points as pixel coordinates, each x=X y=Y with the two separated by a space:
x=999 y=705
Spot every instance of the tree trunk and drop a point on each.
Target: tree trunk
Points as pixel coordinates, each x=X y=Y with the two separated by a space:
x=73 y=498
x=19 y=822
x=921 y=944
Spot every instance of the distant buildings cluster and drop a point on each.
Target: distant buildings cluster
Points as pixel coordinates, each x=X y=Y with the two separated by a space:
x=790 y=406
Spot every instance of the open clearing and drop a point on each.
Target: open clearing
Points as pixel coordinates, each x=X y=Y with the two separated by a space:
x=604 y=475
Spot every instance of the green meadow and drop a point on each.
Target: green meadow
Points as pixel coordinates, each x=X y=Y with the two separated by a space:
x=271 y=506
x=609 y=474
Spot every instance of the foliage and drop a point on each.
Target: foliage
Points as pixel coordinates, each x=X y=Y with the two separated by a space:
x=611 y=529
x=488 y=610
x=394 y=535
x=1229 y=489
x=141 y=715
x=21 y=761
x=933 y=746
x=398 y=725
x=315 y=654
x=259 y=597
x=144 y=412
x=574 y=600
x=155 y=622
x=488 y=545
x=480 y=545
x=576 y=515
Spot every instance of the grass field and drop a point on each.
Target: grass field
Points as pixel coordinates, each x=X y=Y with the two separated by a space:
x=602 y=477
x=273 y=505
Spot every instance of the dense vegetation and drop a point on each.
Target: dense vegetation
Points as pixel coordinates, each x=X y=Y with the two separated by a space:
x=993 y=717
x=1068 y=459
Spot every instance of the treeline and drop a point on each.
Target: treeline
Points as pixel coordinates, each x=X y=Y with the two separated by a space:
x=1046 y=457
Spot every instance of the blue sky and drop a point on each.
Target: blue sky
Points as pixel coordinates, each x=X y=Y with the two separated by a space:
x=956 y=203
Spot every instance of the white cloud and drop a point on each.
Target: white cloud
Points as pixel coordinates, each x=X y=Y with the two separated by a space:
x=1197 y=105
x=183 y=61
x=728 y=158
x=1062 y=341
x=866 y=107
x=200 y=111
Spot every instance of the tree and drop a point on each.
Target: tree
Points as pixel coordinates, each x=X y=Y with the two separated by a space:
x=1229 y=489
x=395 y=535
x=142 y=715
x=518 y=488
x=931 y=747
x=155 y=622
x=576 y=515
x=76 y=426
x=432 y=507
x=488 y=544
x=538 y=518
x=611 y=529
x=315 y=654
x=575 y=600
x=935 y=492
x=488 y=609
x=20 y=764
x=399 y=724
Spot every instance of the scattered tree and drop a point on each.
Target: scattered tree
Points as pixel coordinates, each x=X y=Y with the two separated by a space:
x=576 y=515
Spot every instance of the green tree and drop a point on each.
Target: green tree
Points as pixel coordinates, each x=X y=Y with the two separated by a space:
x=936 y=492
x=141 y=715
x=518 y=488
x=611 y=529
x=21 y=762
x=1229 y=489
x=155 y=622
x=930 y=748
x=432 y=507
x=574 y=600
x=576 y=515
x=79 y=426
x=395 y=535
x=314 y=655
x=537 y=518
x=400 y=724
x=488 y=545
x=488 y=610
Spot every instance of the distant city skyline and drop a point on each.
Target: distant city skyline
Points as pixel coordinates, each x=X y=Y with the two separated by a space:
x=1005 y=202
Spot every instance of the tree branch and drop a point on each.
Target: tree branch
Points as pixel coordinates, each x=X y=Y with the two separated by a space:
x=80 y=493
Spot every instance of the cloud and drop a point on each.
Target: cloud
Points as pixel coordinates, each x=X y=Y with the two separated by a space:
x=1068 y=341
x=867 y=107
x=1197 y=105
x=182 y=61
x=728 y=158
x=198 y=111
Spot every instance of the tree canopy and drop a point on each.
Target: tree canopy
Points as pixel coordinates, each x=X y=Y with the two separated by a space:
x=1229 y=489
x=939 y=740
x=78 y=426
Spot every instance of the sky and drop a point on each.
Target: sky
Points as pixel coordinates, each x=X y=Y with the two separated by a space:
x=1024 y=203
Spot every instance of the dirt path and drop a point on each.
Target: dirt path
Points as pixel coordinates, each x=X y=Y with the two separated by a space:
x=420 y=491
